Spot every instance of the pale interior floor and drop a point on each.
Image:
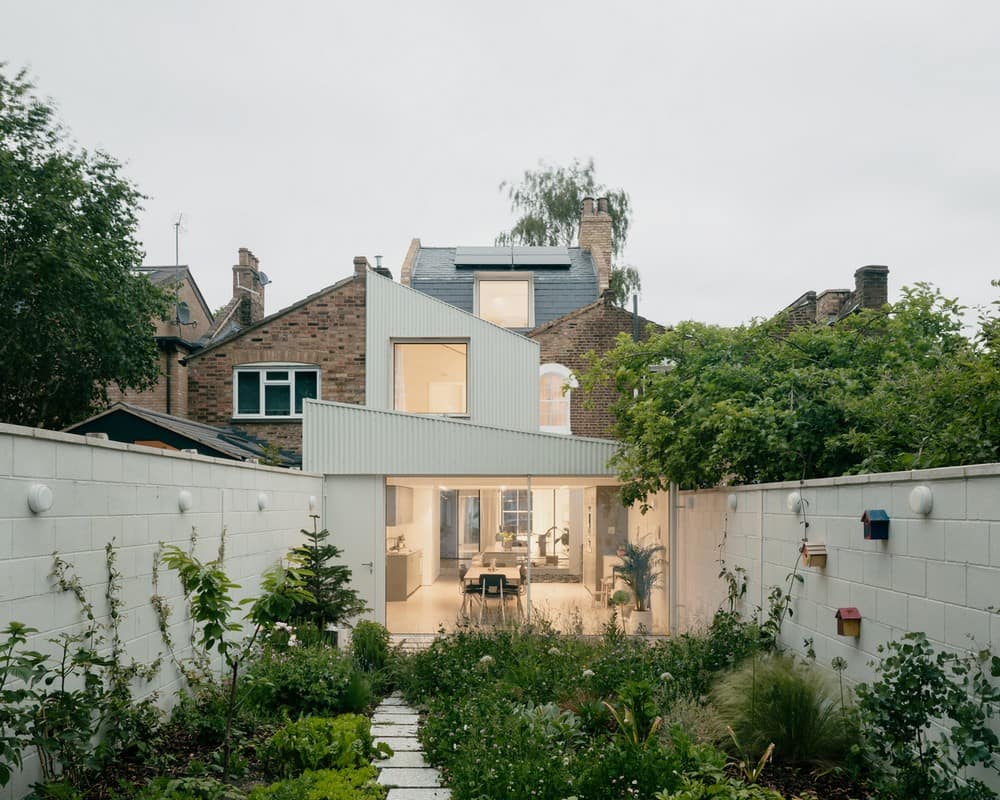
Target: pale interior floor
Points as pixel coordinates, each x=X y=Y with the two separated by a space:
x=568 y=606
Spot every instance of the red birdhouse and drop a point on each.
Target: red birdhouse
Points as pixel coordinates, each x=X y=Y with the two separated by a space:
x=813 y=554
x=848 y=622
x=876 y=523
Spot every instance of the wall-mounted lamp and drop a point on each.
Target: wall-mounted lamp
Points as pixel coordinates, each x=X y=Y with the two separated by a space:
x=313 y=503
x=794 y=502
x=262 y=501
x=732 y=501
x=184 y=500
x=39 y=498
x=922 y=500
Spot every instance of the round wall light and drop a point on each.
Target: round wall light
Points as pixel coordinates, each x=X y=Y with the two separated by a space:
x=794 y=502
x=262 y=501
x=732 y=501
x=312 y=504
x=922 y=499
x=184 y=500
x=39 y=498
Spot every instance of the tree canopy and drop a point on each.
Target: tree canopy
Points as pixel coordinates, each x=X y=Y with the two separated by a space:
x=896 y=389
x=75 y=318
x=547 y=203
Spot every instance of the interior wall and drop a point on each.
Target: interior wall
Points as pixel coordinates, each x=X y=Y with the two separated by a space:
x=653 y=528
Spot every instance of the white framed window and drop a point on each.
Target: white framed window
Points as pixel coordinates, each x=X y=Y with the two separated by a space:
x=273 y=391
x=505 y=299
x=555 y=384
x=431 y=377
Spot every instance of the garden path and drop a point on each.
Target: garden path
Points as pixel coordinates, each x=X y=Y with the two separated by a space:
x=406 y=771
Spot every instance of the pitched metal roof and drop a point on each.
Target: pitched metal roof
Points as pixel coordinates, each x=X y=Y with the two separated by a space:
x=211 y=441
x=434 y=263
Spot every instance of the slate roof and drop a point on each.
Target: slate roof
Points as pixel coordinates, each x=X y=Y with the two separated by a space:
x=557 y=290
x=165 y=276
x=124 y=422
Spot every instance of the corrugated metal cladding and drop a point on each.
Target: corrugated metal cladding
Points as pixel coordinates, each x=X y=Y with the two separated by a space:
x=341 y=439
x=503 y=366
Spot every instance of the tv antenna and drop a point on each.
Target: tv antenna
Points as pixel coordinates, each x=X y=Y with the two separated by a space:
x=177 y=240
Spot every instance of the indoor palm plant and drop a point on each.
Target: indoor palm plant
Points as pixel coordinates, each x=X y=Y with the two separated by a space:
x=641 y=570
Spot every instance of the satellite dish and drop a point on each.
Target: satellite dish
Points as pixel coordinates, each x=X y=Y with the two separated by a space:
x=262 y=277
x=183 y=313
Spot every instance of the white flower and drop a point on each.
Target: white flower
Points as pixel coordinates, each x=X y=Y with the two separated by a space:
x=588 y=673
x=555 y=651
x=666 y=676
x=283 y=626
x=486 y=660
x=293 y=641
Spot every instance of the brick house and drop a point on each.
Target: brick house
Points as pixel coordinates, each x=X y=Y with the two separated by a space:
x=565 y=344
x=871 y=290
x=176 y=338
x=256 y=378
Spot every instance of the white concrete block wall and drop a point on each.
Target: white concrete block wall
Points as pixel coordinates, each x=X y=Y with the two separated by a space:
x=104 y=491
x=938 y=573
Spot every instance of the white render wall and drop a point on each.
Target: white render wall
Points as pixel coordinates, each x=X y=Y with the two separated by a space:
x=938 y=573
x=106 y=490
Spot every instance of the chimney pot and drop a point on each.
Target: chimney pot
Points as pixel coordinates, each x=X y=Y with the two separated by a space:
x=602 y=205
x=588 y=205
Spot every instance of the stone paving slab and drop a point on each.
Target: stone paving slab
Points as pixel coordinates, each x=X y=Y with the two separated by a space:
x=410 y=777
x=398 y=743
x=393 y=700
x=404 y=758
x=394 y=730
x=419 y=794
x=392 y=718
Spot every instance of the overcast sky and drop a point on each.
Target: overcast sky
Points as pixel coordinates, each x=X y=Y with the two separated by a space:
x=768 y=147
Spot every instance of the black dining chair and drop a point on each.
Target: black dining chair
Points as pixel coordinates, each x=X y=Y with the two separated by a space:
x=493 y=586
x=469 y=591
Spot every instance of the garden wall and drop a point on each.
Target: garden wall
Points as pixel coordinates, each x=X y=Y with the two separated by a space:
x=105 y=491
x=937 y=572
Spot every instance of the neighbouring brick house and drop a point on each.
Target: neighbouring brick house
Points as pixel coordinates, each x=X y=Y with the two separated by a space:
x=176 y=338
x=255 y=379
x=871 y=290
x=565 y=344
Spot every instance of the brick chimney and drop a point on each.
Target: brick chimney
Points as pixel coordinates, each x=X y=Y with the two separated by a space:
x=595 y=236
x=871 y=286
x=248 y=288
x=361 y=265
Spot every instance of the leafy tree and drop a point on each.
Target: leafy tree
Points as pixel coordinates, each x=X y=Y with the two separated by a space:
x=331 y=599
x=899 y=388
x=75 y=318
x=547 y=201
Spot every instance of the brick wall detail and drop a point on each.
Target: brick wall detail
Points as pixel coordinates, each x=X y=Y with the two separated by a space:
x=328 y=330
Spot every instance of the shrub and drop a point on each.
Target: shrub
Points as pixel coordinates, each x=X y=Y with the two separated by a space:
x=201 y=788
x=790 y=704
x=617 y=769
x=917 y=687
x=718 y=788
x=315 y=743
x=344 y=784
x=370 y=645
x=201 y=713
x=301 y=680
x=357 y=694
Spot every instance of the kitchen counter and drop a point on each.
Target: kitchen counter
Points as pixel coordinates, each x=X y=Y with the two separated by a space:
x=402 y=573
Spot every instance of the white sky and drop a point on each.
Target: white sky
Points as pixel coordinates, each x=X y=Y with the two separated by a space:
x=769 y=147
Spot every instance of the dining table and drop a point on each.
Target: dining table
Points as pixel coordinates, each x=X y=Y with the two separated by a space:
x=512 y=577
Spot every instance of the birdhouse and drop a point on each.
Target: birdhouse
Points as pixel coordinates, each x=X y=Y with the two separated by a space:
x=813 y=555
x=876 y=523
x=848 y=622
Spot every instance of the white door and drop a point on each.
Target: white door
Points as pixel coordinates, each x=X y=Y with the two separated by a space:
x=354 y=513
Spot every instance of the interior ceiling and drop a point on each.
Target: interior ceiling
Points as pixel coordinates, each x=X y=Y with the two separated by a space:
x=504 y=481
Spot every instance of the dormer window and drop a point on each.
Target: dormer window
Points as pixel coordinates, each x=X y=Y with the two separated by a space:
x=505 y=300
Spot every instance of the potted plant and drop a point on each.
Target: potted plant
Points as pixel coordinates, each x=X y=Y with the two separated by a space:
x=641 y=570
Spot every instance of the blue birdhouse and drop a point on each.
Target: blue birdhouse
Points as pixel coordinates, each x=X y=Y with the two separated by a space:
x=876 y=523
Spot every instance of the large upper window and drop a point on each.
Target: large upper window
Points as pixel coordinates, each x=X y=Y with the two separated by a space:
x=431 y=377
x=554 y=385
x=505 y=301
x=275 y=391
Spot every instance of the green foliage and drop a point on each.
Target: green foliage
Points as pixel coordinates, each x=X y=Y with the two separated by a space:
x=189 y=788
x=776 y=700
x=548 y=202
x=342 y=784
x=319 y=743
x=301 y=680
x=883 y=390
x=370 y=645
x=331 y=599
x=717 y=787
x=641 y=571
x=20 y=670
x=635 y=714
x=77 y=320
x=917 y=691
x=623 y=282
